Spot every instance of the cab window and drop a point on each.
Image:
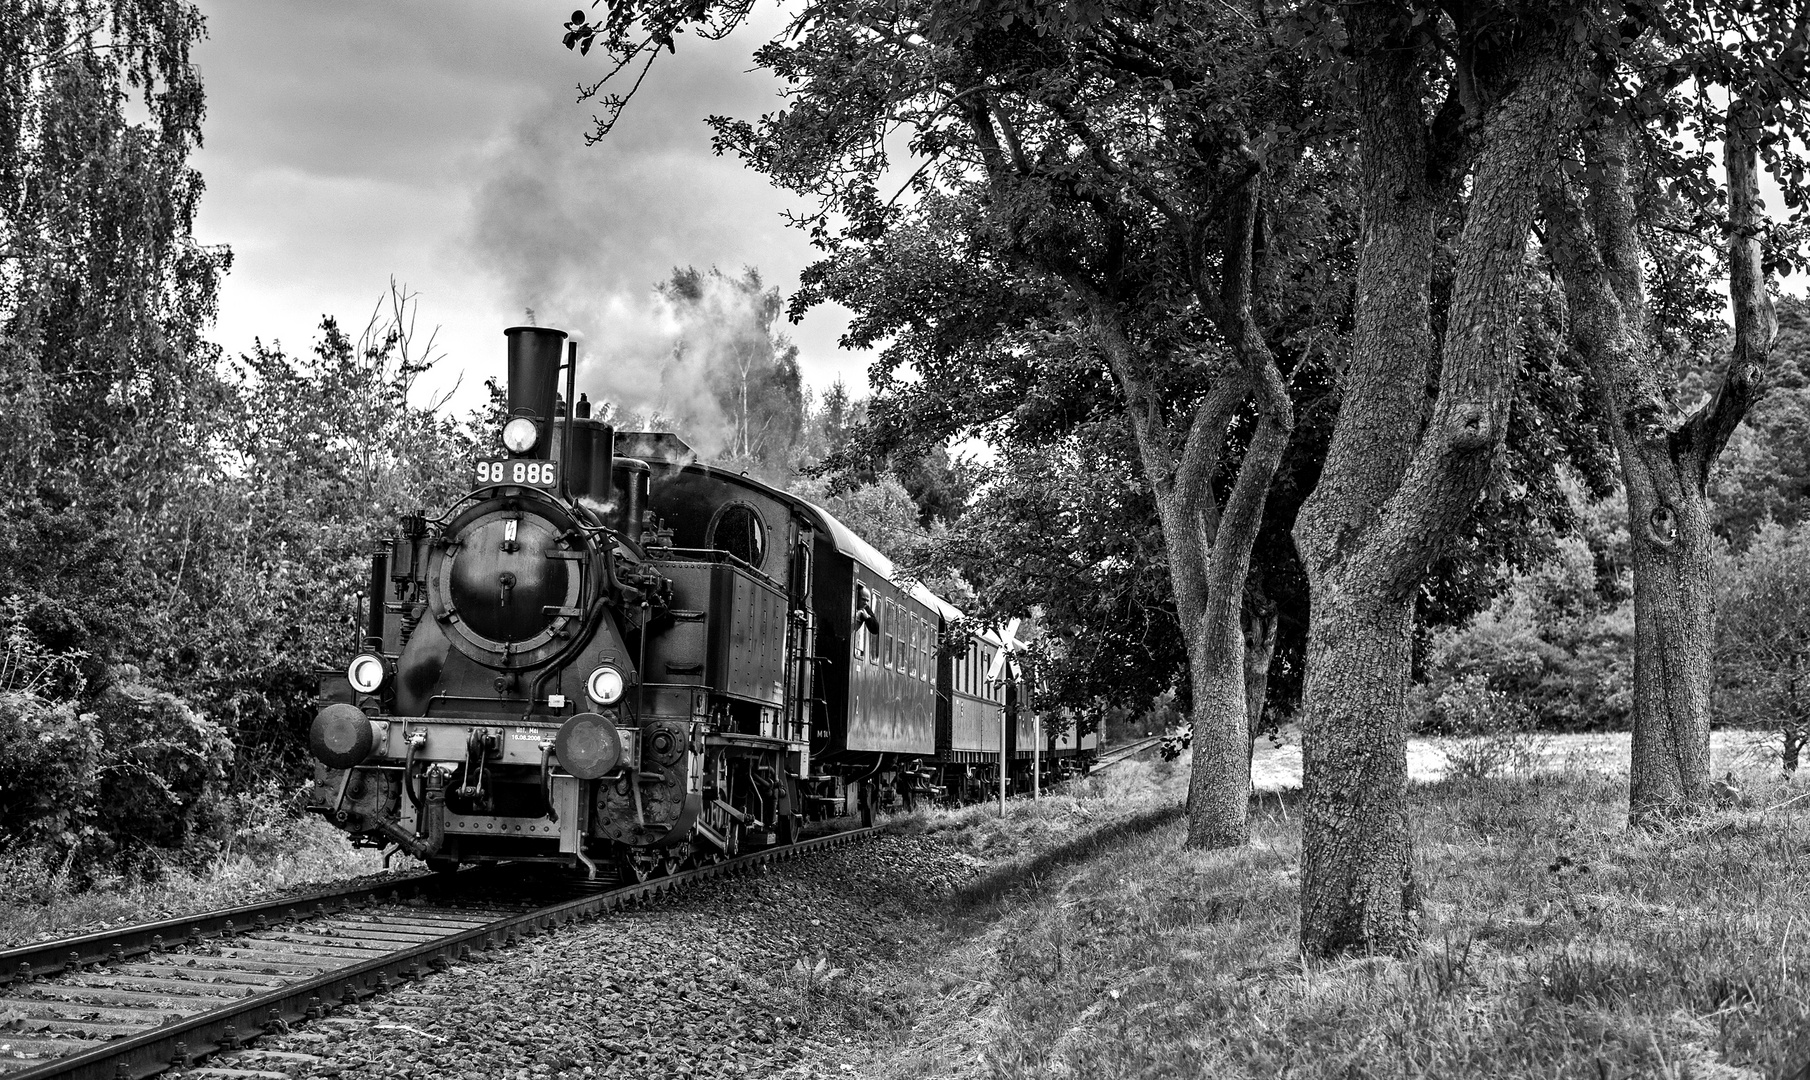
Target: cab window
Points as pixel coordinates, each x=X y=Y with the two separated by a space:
x=739 y=530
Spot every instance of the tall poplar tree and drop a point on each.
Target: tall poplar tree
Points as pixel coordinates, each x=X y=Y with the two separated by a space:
x=105 y=379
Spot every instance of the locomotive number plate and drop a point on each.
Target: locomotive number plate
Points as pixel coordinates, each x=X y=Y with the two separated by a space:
x=540 y=474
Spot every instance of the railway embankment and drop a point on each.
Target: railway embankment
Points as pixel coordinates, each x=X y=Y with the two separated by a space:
x=39 y=903
x=1556 y=942
x=1076 y=937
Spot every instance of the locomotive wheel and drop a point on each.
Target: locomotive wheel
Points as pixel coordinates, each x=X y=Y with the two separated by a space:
x=674 y=862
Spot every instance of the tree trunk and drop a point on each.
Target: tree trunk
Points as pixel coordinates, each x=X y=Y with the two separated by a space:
x=1261 y=620
x=1219 y=786
x=1674 y=632
x=1357 y=879
x=1379 y=517
x=1354 y=754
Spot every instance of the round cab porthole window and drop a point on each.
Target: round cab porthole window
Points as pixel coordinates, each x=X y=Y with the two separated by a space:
x=739 y=530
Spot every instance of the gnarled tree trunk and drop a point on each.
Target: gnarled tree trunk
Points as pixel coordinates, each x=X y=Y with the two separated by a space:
x=1391 y=494
x=1261 y=620
x=1665 y=455
x=1209 y=552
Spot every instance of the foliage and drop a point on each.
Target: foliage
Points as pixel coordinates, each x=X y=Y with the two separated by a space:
x=49 y=761
x=1481 y=731
x=326 y=453
x=1550 y=643
x=1069 y=531
x=172 y=656
x=1764 y=474
x=140 y=773
x=1763 y=639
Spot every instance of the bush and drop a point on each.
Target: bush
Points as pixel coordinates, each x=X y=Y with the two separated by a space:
x=136 y=780
x=163 y=768
x=1481 y=731
x=1763 y=638
x=49 y=762
x=1550 y=643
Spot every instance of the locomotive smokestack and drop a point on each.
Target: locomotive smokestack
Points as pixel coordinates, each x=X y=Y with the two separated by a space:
x=534 y=379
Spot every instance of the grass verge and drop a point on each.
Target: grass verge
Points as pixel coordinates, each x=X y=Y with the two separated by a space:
x=38 y=902
x=1556 y=943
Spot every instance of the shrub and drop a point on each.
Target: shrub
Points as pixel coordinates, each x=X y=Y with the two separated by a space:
x=1481 y=731
x=163 y=768
x=1763 y=639
x=1551 y=643
x=137 y=779
x=49 y=761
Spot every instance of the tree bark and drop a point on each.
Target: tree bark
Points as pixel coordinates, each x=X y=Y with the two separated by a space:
x=1665 y=455
x=1261 y=620
x=1391 y=493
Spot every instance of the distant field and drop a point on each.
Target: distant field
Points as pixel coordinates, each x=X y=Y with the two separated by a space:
x=1278 y=768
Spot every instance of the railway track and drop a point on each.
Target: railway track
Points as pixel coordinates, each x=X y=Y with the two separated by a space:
x=135 y=1001
x=1125 y=753
x=119 y=1005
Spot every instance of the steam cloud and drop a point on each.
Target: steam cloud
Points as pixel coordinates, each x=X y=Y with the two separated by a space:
x=581 y=235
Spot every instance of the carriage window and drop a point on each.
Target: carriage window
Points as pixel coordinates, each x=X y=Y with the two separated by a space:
x=739 y=530
x=864 y=609
x=911 y=652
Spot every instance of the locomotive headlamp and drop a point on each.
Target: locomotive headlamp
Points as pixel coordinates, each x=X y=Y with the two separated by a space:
x=520 y=435
x=366 y=672
x=605 y=685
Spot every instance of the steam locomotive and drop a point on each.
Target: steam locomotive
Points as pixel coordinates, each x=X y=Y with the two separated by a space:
x=612 y=656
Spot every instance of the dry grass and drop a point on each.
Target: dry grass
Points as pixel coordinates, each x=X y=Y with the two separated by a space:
x=36 y=902
x=1556 y=943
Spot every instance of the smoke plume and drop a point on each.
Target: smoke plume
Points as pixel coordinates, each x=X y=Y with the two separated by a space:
x=583 y=235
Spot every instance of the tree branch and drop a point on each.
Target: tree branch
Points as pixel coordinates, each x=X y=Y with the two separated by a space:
x=1710 y=427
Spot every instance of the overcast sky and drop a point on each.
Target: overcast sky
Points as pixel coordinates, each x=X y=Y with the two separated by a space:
x=351 y=140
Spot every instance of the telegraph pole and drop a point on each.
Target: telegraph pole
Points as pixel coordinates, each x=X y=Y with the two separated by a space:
x=1002 y=750
x=1036 y=733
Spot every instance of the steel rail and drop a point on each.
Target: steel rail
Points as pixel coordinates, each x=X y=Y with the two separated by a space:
x=27 y=962
x=182 y=1040
x=1125 y=753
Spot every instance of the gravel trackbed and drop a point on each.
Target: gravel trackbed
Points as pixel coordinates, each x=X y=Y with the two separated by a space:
x=722 y=980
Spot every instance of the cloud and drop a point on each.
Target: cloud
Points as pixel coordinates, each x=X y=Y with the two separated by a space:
x=583 y=234
x=438 y=141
